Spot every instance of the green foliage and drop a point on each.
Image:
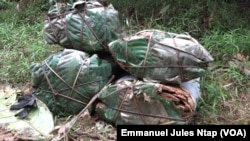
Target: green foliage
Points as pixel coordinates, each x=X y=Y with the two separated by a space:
x=227 y=43
x=212 y=93
x=4 y=4
x=21 y=43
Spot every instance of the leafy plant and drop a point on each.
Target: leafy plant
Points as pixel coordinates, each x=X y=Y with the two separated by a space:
x=21 y=44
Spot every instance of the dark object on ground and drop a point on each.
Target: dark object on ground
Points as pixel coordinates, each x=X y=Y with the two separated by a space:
x=26 y=102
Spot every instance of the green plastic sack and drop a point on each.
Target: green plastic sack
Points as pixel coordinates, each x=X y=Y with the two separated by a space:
x=68 y=79
x=88 y=26
x=159 y=56
x=137 y=102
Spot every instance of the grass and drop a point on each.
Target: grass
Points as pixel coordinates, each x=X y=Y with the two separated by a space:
x=224 y=32
x=226 y=43
x=21 y=43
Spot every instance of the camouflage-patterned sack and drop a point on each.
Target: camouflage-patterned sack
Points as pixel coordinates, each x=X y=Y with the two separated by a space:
x=131 y=101
x=159 y=56
x=67 y=80
x=88 y=26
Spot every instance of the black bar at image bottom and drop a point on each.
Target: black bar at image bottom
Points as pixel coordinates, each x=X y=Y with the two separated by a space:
x=204 y=132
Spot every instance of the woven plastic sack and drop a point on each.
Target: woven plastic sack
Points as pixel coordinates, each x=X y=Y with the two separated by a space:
x=88 y=26
x=137 y=102
x=159 y=56
x=68 y=79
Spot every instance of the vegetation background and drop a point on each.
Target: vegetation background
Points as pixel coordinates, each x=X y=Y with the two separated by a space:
x=222 y=27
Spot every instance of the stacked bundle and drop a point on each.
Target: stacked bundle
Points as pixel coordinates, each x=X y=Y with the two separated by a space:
x=131 y=101
x=164 y=68
x=160 y=56
x=84 y=25
x=67 y=80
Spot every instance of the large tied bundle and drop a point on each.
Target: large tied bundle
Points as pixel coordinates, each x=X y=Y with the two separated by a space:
x=159 y=56
x=68 y=79
x=88 y=26
x=138 y=102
